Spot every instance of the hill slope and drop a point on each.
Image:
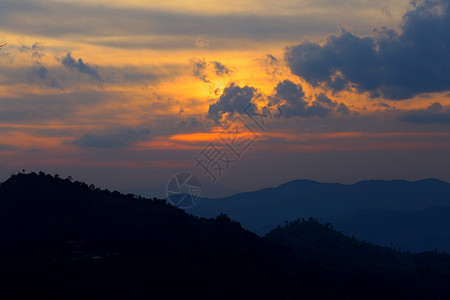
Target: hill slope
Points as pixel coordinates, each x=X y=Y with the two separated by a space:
x=358 y=265
x=67 y=239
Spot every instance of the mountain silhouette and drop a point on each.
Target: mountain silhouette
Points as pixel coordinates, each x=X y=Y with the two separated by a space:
x=67 y=239
x=62 y=239
x=262 y=210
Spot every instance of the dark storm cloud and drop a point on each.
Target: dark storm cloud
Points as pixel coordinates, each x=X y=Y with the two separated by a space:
x=234 y=99
x=434 y=114
x=396 y=66
x=69 y=62
x=123 y=138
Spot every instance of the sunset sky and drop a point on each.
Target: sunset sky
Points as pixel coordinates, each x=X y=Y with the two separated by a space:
x=128 y=94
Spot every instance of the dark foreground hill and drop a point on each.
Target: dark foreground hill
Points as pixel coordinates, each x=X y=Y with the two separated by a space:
x=67 y=240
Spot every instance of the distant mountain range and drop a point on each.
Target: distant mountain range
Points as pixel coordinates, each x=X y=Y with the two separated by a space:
x=69 y=240
x=410 y=215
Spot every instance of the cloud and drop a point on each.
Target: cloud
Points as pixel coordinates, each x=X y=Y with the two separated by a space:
x=290 y=99
x=31 y=107
x=135 y=75
x=34 y=150
x=42 y=72
x=36 y=50
x=271 y=64
x=119 y=139
x=55 y=84
x=434 y=114
x=199 y=43
x=37 y=73
x=69 y=62
x=190 y=122
x=199 y=69
x=41 y=75
x=343 y=109
x=290 y=92
x=56 y=19
x=234 y=99
x=4 y=147
x=381 y=104
x=220 y=68
x=385 y=10
x=323 y=99
x=395 y=66
x=203 y=69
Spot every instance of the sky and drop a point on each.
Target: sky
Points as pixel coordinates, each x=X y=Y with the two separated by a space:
x=248 y=94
